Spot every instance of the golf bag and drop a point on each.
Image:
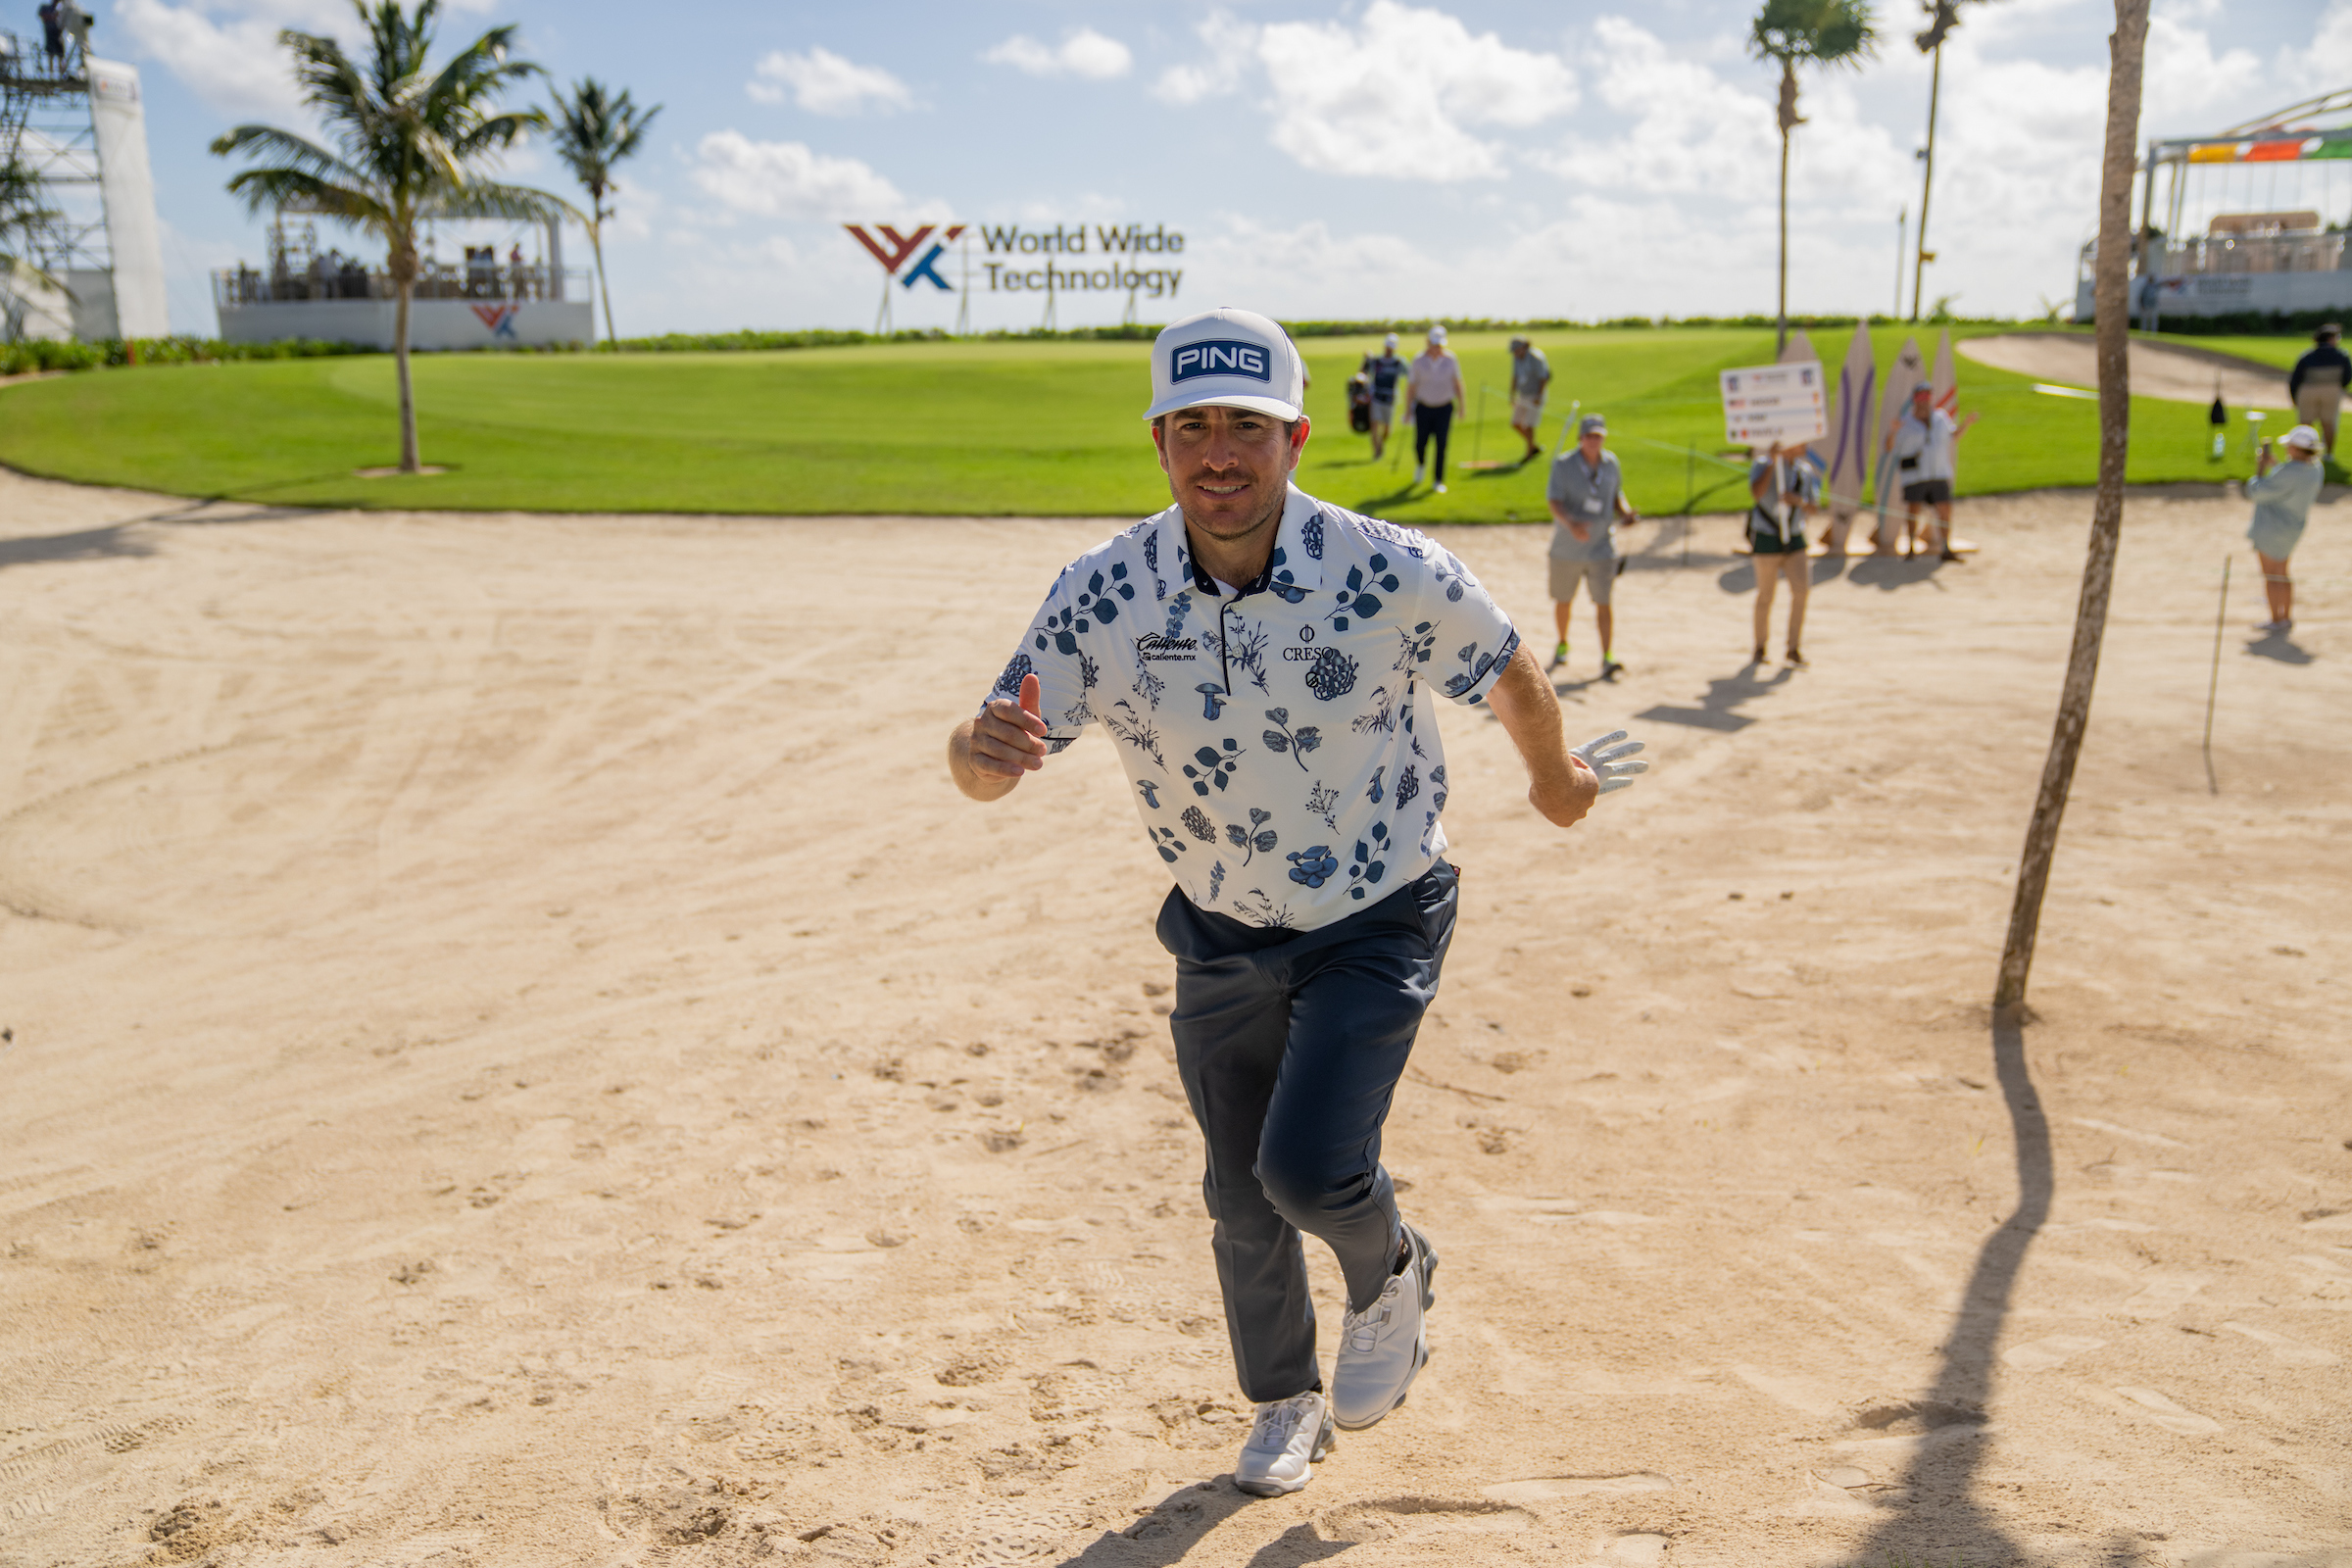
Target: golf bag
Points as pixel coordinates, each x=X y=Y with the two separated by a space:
x=1360 y=402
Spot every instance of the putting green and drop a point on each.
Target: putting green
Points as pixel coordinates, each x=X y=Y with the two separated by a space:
x=950 y=428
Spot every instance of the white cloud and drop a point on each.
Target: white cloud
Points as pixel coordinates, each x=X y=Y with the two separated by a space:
x=787 y=180
x=2183 y=75
x=2326 y=62
x=825 y=84
x=1397 y=94
x=227 y=51
x=1232 y=51
x=1085 y=54
x=235 y=65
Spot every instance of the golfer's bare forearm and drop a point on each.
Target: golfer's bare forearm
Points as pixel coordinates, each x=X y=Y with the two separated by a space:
x=1559 y=787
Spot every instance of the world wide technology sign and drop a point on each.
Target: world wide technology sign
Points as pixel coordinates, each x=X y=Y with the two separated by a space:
x=1064 y=258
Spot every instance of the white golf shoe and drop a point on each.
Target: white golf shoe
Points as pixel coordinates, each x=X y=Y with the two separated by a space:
x=1287 y=1438
x=1383 y=1349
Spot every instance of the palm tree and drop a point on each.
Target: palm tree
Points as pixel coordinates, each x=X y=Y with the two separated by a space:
x=1821 y=32
x=1943 y=16
x=596 y=129
x=414 y=144
x=2111 y=288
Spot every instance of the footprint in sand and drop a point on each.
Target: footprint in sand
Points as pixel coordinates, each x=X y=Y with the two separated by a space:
x=2151 y=1405
x=1390 y=1517
x=2051 y=1350
x=1634 y=1551
x=2284 y=1348
x=1545 y=1489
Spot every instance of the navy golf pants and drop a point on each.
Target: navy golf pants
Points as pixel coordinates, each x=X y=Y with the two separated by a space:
x=1290 y=1045
x=1432 y=421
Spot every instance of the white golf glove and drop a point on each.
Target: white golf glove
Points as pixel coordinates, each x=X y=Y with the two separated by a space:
x=1604 y=756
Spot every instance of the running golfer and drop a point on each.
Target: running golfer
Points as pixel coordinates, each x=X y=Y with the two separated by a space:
x=1266 y=665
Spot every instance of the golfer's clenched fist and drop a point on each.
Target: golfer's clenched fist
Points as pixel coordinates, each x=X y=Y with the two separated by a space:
x=988 y=755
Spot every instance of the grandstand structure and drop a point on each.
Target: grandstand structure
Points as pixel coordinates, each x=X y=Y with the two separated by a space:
x=89 y=250
x=2254 y=219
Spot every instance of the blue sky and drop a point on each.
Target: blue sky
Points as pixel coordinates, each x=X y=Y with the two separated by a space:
x=1361 y=158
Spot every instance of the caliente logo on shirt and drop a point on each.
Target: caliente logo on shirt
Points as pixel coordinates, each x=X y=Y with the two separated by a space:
x=1152 y=645
x=1222 y=356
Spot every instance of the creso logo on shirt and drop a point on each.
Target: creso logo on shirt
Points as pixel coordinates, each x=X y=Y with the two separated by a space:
x=1152 y=648
x=1221 y=357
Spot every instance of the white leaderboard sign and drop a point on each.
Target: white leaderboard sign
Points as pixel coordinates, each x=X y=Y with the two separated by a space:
x=1769 y=403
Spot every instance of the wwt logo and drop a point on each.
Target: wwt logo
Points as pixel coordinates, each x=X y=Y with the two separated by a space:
x=892 y=249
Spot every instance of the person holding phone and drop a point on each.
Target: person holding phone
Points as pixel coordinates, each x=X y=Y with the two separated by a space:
x=1926 y=443
x=2282 y=498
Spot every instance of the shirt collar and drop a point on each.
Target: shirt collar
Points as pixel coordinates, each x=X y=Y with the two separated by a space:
x=1291 y=562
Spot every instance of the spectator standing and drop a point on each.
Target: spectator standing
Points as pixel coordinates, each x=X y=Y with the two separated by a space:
x=1435 y=383
x=1531 y=375
x=1924 y=442
x=2282 y=502
x=1587 y=496
x=2316 y=383
x=1386 y=371
x=1785 y=486
x=53 y=33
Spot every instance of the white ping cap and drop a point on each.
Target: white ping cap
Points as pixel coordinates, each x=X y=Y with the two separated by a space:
x=1226 y=359
x=1436 y=334
x=1389 y=341
x=2302 y=435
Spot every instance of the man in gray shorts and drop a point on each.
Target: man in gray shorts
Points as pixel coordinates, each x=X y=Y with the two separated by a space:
x=1588 y=498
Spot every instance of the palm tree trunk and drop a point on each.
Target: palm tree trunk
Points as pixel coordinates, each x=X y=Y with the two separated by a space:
x=596 y=243
x=409 y=460
x=2128 y=46
x=1783 y=314
x=1927 y=183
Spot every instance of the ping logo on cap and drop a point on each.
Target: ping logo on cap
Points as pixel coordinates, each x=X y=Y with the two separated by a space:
x=1221 y=357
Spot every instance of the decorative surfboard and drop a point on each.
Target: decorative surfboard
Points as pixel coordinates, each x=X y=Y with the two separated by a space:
x=1798 y=349
x=1849 y=441
x=1894 y=397
x=1947 y=379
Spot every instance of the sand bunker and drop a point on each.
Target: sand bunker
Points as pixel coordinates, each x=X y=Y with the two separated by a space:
x=2158 y=370
x=520 y=1058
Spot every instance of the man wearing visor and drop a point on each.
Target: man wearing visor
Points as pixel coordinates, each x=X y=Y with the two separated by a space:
x=1266 y=665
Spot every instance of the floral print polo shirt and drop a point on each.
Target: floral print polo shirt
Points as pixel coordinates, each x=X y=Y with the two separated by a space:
x=1284 y=764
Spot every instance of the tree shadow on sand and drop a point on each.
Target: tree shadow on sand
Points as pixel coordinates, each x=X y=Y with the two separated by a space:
x=114 y=543
x=1935 y=1515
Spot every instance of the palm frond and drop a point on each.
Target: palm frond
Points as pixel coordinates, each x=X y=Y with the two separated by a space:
x=483 y=199
x=273 y=189
x=294 y=152
x=1822 y=32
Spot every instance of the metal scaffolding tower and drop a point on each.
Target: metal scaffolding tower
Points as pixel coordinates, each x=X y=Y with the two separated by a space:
x=75 y=126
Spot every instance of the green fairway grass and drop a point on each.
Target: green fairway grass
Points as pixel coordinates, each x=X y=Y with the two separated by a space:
x=2281 y=352
x=956 y=427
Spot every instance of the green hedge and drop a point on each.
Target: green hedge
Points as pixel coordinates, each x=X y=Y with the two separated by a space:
x=42 y=354
x=2248 y=323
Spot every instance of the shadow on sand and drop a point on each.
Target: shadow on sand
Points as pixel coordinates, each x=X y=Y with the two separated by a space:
x=1715 y=709
x=2281 y=646
x=121 y=540
x=113 y=543
x=1934 y=1515
x=1183 y=1520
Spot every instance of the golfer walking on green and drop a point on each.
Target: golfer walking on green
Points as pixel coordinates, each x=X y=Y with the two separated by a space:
x=1267 y=665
